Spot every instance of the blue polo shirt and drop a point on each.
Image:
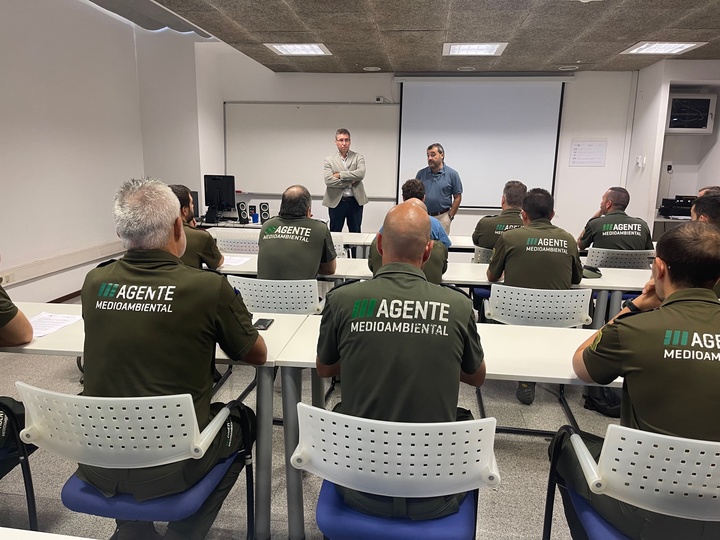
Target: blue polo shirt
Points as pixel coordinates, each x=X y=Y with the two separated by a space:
x=439 y=188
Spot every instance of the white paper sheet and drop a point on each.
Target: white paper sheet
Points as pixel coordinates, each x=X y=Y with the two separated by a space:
x=47 y=323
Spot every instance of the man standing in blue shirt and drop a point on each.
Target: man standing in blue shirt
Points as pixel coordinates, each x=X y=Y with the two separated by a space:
x=443 y=188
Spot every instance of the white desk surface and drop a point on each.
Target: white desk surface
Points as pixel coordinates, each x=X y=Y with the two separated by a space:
x=346 y=267
x=469 y=274
x=349 y=238
x=512 y=353
x=68 y=341
x=461 y=242
x=21 y=534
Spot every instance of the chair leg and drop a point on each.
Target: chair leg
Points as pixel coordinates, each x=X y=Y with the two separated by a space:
x=552 y=481
x=250 y=494
x=80 y=366
x=29 y=490
x=331 y=389
x=222 y=379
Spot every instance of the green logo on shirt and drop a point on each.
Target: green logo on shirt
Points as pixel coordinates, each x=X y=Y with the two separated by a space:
x=108 y=290
x=675 y=337
x=499 y=227
x=532 y=241
x=270 y=230
x=607 y=227
x=364 y=307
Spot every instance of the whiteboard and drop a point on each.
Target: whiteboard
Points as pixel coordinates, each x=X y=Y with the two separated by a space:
x=270 y=146
x=492 y=132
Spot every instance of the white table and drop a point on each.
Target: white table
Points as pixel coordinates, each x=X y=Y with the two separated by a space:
x=462 y=243
x=68 y=341
x=511 y=353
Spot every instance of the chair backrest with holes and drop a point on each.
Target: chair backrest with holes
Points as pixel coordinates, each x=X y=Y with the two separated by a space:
x=482 y=255
x=121 y=433
x=278 y=296
x=620 y=258
x=539 y=307
x=668 y=475
x=338 y=244
x=396 y=459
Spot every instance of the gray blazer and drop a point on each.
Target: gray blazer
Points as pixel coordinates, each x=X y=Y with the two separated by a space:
x=351 y=177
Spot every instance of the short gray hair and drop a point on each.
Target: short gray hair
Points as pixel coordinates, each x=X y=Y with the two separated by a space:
x=295 y=201
x=145 y=210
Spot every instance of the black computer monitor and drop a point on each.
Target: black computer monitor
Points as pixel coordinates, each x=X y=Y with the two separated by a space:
x=220 y=192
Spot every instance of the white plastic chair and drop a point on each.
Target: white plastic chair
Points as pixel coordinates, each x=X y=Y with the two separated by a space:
x=238 y=245
x=340 y=249
x=539 y=307
x=667 y=475
x=278 y=296
x=396 y=459
x=620 y=258
x=482 y=255
x=116 y=433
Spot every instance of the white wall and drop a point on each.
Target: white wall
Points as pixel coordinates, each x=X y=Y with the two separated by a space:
x=69 y=132
x=168 y=105
x=596 y=106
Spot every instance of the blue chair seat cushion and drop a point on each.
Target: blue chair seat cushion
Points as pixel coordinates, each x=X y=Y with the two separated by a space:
x=338 y=521
x=81 y=496
x=595 y=526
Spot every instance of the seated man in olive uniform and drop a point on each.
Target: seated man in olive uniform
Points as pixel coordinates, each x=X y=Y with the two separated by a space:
x=402 y=346
x=201 y=246
x=151 y=326
x=664 y=345
x=538 y=255
x=15 y=329
x=292 y=244
x=436 y=265
x=489 y=228
x=612 y=228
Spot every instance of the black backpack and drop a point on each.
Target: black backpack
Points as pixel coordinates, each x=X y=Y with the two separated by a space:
x=603 y=400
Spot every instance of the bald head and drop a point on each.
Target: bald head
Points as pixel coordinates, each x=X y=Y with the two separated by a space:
x=406 y=234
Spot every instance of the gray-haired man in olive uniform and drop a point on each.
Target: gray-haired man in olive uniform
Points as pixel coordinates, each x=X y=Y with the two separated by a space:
x=488 y=229
x=403 y=346
x=665 y=344
x=151 y=325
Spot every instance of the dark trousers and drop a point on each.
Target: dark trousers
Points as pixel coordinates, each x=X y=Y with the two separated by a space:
x=631 y=521
x=348 y=208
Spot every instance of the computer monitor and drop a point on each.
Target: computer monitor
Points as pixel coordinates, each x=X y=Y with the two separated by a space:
x=220 y=192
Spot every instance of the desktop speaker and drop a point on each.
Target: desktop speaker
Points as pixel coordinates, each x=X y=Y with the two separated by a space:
x=243 y=216
x=264 y=212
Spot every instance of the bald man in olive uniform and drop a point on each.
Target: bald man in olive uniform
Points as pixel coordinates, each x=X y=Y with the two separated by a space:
x=398 y=327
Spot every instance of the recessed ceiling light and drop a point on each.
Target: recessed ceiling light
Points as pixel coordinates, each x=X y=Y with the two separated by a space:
x=466 y=68
x=658 y=47
x=298 y=49
x=473 y=49
x=568 y=68
x=371 y=68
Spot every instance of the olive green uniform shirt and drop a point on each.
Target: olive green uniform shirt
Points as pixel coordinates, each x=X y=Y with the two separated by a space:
x=434 y=267
x=537 y=256
x=151 y=324
x=489 y=228
x=402 y=343
x=201 y=248
x=8 y=310
x=293 y=248
x=670 y=359
x=616 y=230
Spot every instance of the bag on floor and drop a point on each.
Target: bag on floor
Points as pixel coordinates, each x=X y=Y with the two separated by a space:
x=7 y=437
x=603 y=400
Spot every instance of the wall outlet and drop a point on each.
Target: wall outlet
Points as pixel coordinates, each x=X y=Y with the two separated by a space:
x=7 y=278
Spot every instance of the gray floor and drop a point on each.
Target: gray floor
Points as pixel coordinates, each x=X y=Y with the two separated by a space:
x=512 y=510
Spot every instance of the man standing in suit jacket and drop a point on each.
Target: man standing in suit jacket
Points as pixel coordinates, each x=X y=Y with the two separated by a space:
x=345 y=193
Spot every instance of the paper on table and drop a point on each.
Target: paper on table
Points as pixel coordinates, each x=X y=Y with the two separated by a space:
x=231 y=260
x=47 y=323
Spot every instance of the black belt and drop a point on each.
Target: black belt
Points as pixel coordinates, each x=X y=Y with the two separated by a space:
x=433 y=214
